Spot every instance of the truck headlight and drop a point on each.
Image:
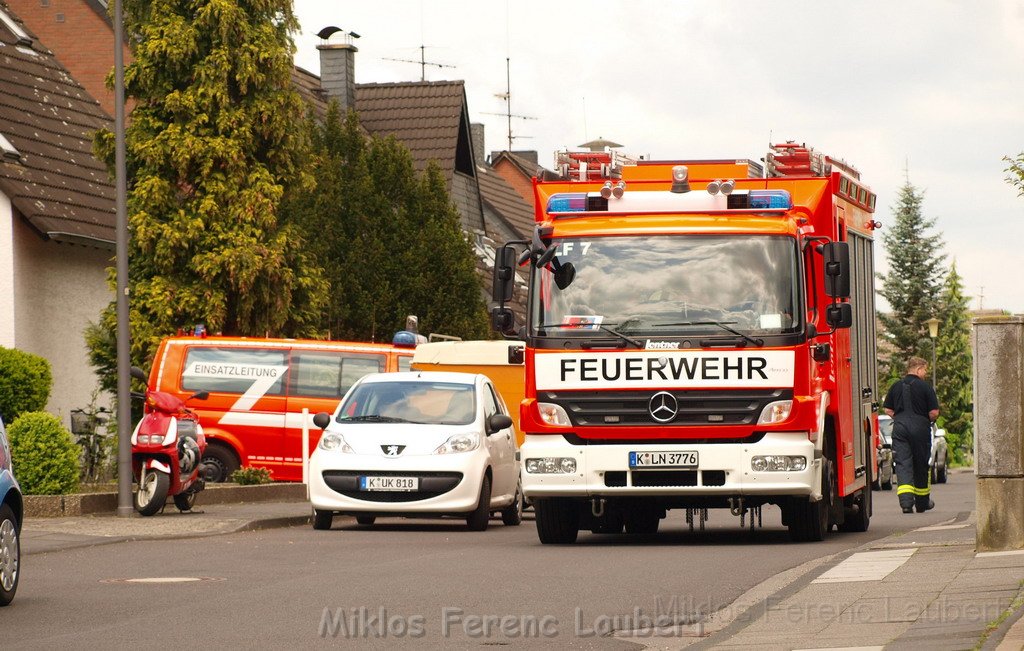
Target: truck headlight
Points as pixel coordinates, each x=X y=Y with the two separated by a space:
x=775 y=412
x=334 y=441
x=778 y=463
x=459 y=443
x=553 y=414
x=551 y=466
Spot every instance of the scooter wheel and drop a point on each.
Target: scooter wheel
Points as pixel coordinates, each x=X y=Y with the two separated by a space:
x=185 y=501
x=152 y=493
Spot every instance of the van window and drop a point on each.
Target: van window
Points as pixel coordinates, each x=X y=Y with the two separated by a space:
x=328 y=374
x=234 y=370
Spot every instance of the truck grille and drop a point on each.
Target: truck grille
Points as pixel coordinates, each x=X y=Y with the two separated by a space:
x=699 y=407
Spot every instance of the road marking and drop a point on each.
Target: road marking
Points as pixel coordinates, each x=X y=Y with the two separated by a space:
x=944 y=527
x=846 y=648
x=165 y=579
x=866 y=566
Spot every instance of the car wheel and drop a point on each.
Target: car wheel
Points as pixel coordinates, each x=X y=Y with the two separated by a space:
x=480 y=516
x=218 y=463
x=185 y=501
x=558 y=520
x=512 y=515
x=887 y=485
x=152 y=493
x=10 y=555
x=940 y=473
x=322 y=519
x=366 y=520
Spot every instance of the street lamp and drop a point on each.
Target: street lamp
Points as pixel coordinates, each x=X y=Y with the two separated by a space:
x=933 y=332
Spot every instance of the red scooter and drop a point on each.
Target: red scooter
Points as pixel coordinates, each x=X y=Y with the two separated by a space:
x=167 y=447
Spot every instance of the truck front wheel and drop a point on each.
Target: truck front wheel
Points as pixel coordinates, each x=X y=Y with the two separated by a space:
x=558 y=520
x=811 y=521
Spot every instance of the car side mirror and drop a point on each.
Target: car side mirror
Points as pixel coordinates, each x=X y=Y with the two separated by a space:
x=940 y=432
x=498 y=422
x=322 y=419
x=199 y=395
x=139 y=374
x=886 y=446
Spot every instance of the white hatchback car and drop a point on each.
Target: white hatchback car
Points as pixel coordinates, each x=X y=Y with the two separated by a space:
x=417 y=444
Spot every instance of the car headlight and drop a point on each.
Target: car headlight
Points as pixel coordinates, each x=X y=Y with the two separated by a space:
x=553 y=414
x=334 y=441
x=775 y=412
x=459 y=443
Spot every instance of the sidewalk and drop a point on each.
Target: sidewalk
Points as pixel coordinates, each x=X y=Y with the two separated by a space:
x=40 y=535
x=925 y=589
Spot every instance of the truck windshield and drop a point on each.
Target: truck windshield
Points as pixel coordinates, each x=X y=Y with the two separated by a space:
x=669 y=285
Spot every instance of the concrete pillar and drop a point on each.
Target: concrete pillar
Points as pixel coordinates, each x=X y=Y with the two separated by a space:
x=999 y=431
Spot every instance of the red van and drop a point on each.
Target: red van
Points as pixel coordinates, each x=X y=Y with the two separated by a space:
x=257 y=390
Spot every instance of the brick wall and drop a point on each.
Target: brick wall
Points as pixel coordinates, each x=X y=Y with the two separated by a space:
x=520 y=183
x=80 y=37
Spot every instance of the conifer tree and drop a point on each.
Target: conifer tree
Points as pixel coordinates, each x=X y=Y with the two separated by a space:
x=954 y=367
x=211 y=149
x=389 y=240
x=912 y=283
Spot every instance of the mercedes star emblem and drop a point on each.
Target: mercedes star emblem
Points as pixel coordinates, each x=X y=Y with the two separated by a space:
x=663 y=406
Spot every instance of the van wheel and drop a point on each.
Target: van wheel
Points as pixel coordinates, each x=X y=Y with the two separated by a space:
x=218 y=463
x=366 y=520
x=512 y=515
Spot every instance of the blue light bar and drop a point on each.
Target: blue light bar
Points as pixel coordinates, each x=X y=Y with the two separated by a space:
x=769 y=199
x=568 y=202
x=405 y=338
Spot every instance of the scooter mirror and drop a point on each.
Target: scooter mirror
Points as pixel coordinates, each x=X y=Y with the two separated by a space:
x=139 y=374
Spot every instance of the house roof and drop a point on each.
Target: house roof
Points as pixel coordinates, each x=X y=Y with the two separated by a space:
x=424 y=115
x=54 y=181
x=309 y=88
x=502 y=199
x=527 y=167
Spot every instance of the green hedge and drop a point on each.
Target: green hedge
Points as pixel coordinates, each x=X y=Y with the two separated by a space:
x=45 y=457
x=25 y=382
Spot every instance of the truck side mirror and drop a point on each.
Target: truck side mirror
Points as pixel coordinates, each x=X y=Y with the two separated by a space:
x=504 y=274
x=839 y=315
x=836 y=262
x=503 y=320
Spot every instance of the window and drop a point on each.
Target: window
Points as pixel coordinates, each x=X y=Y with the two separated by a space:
x=405 y=363
x=15 y=28
x=328 y=374
x=8 y=149
x=235 y=370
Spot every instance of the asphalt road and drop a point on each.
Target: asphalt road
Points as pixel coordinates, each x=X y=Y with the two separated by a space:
x=423 y=583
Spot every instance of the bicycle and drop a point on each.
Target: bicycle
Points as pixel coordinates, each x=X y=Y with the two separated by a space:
x=87 y=426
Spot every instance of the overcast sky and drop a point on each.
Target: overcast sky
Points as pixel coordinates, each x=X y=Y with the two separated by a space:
x=933 y=88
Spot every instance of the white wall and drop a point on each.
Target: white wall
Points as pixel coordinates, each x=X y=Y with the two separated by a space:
x=58 y=289
x=7 y=305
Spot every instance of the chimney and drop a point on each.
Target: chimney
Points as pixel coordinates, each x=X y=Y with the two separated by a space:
x=338 y=74
x=476 y=132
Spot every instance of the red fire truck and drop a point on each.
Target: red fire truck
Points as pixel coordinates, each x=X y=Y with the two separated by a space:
x=701 y=334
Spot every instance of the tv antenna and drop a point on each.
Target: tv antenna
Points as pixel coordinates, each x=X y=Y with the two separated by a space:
x=507 y=96
x=423 y=62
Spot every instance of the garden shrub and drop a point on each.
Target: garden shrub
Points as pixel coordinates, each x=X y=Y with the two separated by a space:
x=251 y=476
x=25 y=382
x=45 y=456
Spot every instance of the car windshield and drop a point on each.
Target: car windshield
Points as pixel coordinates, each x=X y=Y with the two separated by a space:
x=885 y=427
x=434 y=403
x=668 y=285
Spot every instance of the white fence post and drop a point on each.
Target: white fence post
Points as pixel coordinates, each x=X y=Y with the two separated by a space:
x=305 y=449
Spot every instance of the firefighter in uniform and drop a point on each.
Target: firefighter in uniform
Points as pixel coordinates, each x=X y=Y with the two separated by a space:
x=913 y=405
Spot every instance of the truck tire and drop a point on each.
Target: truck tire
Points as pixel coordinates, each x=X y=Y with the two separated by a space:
x=219 y=461
x=861 y=519
x=558 y=520
x=810 y=521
